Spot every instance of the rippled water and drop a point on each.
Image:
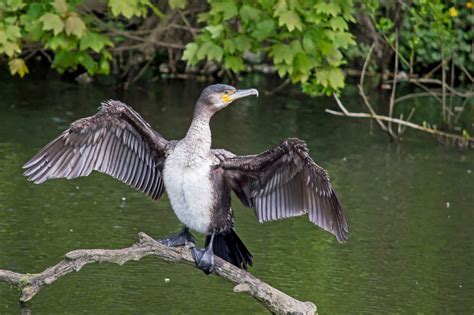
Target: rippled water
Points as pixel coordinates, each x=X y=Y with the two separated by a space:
x=410 y=209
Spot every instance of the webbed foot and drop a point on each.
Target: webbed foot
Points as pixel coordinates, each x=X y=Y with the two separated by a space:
x=204 y=258
x=181 y=239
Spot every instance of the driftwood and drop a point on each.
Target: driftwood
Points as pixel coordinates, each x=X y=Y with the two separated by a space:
x=274 y=300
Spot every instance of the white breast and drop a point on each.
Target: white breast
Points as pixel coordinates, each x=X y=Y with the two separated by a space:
x=189 y=189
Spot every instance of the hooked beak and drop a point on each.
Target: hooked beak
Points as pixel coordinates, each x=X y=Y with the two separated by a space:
x=242 y=93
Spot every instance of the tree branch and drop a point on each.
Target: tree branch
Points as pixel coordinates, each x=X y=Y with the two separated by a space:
x=462 y=141
x=274 y=300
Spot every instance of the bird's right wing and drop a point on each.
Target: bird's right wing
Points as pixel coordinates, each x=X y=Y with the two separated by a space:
x=285 y=182
x=116 y=141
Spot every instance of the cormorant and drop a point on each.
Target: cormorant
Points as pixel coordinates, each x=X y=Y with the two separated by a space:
x=279 y=183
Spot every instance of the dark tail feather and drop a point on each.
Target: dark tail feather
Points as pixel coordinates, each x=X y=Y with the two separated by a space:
x=228 y=246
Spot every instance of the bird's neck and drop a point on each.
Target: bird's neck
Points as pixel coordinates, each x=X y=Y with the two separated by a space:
x=199 y=137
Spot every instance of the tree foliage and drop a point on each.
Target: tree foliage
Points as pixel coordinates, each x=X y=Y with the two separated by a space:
x=306 y=40
x=303 y=39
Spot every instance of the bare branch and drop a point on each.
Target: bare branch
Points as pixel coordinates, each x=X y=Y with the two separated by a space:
x=462 y=141
x=394 y=85
x=273 y=299
x=364 y=97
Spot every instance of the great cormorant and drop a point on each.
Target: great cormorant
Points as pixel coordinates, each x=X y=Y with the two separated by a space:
x=279 y=183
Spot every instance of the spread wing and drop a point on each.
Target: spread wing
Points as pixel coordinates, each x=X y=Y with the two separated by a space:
x=115 y=141
x=285 y=182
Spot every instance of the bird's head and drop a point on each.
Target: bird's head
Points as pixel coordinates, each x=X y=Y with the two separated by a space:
x=218 y=96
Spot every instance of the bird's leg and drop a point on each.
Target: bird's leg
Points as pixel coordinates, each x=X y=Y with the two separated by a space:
x=181 y=239
x=204 y=257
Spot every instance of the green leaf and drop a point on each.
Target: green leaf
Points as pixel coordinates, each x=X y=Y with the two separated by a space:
x=3 y=37
x=266 y=4
x=104 y=66
x=35 y=10
x=282 y=53
x=60 y=6
x=61 y=41
x=301 y=63
x=264 y=29
x=283 y=69
x=177 y=4
x=211 y=51
x=336 y=78
x=327 y=8
x=242 y=42
x=215 y=30
x=75 y=26
x=127 y=8
x=13 y=32
x=17 y=65
x=228 y=9
x=308 y=43
x=52 y=22
x=88 y=62
x=248 y=13
x=234 y=63
x=14 y=5
x=291 y=19
x=11 y=48
x=229 y=45
x=280 y=7
x=94 y=41
x=344 y=39
x=338 y=23
x=64 y=60
x=190 y=53
x=301 y=68
x=333 y=78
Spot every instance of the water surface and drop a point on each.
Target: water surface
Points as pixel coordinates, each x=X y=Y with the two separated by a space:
x=409 y=207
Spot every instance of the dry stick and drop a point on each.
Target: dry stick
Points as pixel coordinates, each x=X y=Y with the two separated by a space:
x=186 y=22
x=466 y=94
x=443 y=87
x=412 y=112
x=451 y=95
x=362 y=93
x=433 y=131
x=467 y=73
x=279 y=87
x=274 y=300
x=394 y=85
x=414 y=95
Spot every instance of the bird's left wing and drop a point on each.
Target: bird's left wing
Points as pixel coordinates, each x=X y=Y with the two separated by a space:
x=285 y=182
x=116 y=141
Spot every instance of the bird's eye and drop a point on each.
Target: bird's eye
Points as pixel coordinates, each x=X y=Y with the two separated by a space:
x=227 y=92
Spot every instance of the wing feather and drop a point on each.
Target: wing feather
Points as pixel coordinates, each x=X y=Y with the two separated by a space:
x=116 y=141
x=285 y=182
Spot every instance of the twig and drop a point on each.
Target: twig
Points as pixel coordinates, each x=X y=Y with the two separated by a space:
x=466 y=72
x=394 y=85
x=273 y=299
x=429 y=74
x=186 y=22
x=279 y=87
x=364 y=97
x=414 y=95
x=462 y=140
x=402 y=130
x=443 y=87
x=465 y=94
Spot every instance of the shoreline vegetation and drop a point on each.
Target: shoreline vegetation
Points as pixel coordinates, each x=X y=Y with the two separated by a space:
x=426 y=46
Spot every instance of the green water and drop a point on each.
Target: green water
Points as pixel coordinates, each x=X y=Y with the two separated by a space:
x=407 y=252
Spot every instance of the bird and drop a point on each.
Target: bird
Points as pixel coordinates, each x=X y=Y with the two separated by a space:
x=279 y=183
